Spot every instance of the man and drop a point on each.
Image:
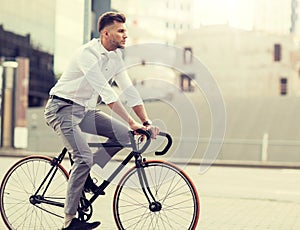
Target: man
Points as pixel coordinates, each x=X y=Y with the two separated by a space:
x=71 y=112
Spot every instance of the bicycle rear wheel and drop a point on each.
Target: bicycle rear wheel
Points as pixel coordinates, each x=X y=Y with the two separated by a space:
x=172 y=189
x=21 y=182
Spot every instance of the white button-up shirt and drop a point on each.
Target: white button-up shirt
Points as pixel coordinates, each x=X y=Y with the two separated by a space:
x=88 y=76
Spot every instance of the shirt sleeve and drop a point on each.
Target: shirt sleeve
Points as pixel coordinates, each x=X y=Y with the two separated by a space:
x=131 y=94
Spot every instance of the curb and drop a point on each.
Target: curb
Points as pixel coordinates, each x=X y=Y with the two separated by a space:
x=19 y=153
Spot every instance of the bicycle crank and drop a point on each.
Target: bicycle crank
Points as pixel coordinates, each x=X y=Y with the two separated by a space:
x=85 y=209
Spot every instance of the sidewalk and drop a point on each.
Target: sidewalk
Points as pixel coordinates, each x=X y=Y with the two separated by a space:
x=249 y=198
x=237 y=213
x=231 y=198
x=235 y=198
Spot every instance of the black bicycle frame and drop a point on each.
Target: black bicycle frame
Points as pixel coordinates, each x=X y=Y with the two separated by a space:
x=136 y=153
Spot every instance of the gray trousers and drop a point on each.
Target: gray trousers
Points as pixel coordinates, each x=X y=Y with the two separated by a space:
x=71 y=122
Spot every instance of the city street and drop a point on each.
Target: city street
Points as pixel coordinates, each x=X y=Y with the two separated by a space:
x=221 y=77
x=230 y=197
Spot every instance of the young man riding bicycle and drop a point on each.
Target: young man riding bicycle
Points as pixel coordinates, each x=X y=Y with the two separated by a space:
x=71 y=109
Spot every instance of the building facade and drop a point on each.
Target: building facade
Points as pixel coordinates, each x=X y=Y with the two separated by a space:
x=36 y=18
x=41 y=76
x=247 y=63
x=156 y=21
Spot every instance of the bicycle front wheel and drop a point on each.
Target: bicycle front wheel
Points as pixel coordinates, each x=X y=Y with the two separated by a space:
x=176 y=199
x=18 y=208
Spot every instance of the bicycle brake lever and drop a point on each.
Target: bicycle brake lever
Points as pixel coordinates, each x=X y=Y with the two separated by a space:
x=148 y=134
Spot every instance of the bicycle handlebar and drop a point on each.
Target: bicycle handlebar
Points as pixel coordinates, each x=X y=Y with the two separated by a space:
x=148 y=134
x=168 y=145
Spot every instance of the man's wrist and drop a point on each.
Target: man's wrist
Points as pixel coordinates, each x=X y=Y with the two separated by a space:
x=131 y=121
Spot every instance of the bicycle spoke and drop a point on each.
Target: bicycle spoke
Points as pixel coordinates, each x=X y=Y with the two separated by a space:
x=20 y=183
x=170 y=187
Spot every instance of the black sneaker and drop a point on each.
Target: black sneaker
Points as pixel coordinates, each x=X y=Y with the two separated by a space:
x=90 y=186
x=81 y=225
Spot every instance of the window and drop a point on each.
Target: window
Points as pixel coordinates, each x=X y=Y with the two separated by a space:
x=186 y=82
x=188 y=55
x=283 y=86
x=277 y=52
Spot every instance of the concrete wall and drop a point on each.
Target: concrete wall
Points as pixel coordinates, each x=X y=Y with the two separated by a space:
x=251 y=123
x=242 y=62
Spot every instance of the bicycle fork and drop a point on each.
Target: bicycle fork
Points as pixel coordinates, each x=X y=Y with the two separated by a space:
x=154 y=205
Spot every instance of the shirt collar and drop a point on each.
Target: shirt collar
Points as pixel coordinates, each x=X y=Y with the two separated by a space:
x=103 y=51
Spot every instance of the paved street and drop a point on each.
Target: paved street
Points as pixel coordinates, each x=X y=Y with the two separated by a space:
x=231 y=198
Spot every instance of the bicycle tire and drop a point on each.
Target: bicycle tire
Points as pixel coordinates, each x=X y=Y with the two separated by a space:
x=170 y=186
x=20 y=182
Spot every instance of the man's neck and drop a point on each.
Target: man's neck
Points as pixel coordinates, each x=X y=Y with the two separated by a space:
x=105 y=45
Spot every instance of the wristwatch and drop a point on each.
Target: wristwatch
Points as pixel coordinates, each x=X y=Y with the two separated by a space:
x=147 y=123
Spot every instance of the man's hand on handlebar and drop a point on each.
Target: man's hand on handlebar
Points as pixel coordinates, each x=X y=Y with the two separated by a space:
x=135 y=125
x=153 y=129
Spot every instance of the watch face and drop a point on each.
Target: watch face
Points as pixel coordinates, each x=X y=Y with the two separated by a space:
x=146 y=123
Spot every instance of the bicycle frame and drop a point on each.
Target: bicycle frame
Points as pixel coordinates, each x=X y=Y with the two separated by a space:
x=135 y=153
x=37 y=199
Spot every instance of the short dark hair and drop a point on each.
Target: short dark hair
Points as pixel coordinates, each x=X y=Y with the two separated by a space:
x=108 y=19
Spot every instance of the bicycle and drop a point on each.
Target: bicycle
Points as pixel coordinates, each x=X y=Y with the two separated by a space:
x=153 y=194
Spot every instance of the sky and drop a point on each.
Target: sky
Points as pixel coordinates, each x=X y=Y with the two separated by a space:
x=237 y=13
x=68 y=31
x=243 y=14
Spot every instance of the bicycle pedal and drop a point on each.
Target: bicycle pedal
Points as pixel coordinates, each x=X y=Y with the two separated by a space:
x=95 y=180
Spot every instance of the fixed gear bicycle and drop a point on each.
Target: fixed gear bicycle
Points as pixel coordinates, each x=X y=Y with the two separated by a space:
x=153 y=194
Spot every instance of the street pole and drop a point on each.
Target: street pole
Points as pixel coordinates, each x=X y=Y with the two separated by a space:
x=87 y=21
x=8 y=105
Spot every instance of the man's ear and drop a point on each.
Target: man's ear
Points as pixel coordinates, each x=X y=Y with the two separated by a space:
x=104 y=33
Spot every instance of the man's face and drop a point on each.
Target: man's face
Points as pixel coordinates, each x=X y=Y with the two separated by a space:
x=116 y=35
